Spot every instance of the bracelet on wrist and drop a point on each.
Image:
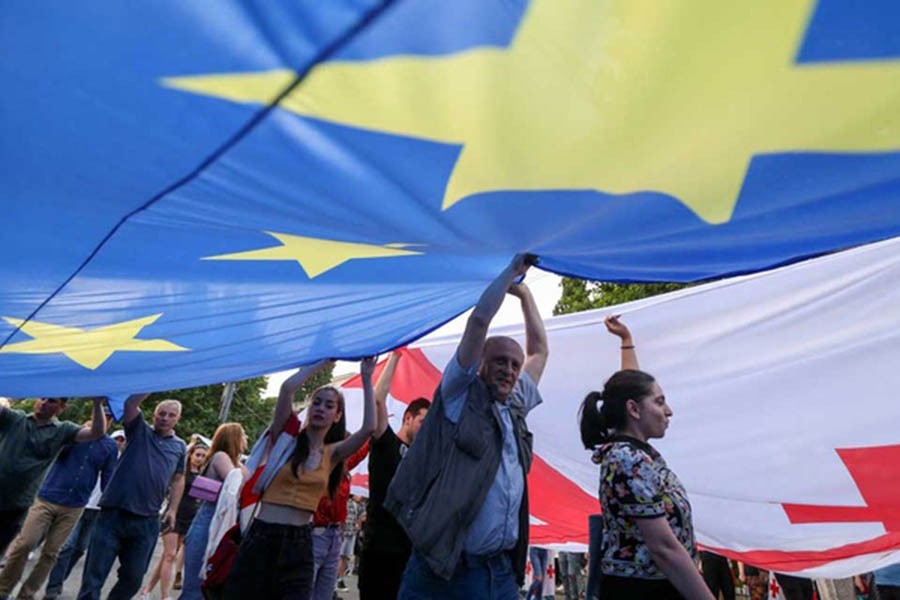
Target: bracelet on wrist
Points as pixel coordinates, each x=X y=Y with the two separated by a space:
x=631 y=347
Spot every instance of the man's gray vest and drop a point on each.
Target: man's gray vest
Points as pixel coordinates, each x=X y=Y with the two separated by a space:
x=444 y=478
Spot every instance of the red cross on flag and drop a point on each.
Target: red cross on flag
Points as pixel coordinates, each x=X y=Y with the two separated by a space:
x=783 y=386
x=775 y=591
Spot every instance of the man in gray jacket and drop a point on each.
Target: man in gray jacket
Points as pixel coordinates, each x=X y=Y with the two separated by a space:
x=460 y=493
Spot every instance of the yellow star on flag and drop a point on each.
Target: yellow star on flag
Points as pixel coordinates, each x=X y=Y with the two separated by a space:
x=90 y=348
x=316 y=256
x=619 y=96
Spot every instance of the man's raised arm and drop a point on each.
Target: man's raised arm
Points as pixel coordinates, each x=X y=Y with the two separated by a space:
x=536 y=347
x=98 y=424
x=472 y=344
x=133 y=407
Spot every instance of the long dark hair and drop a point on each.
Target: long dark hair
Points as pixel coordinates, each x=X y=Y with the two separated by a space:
x=597 y=422
x=336 y=433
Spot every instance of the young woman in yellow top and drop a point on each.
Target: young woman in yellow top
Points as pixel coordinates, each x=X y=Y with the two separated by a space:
x=275 y=559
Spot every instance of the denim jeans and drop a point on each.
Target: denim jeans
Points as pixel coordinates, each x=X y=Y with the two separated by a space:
x=274 y=562
x=71 y=552
x=539 y=558
x=123 y=535
x=326 y=554
x=194 y=549
x=474 y=579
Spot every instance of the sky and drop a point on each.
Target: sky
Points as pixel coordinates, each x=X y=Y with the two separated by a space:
x=544 y=286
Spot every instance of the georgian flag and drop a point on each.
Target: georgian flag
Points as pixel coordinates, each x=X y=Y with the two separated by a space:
x=785 y=428
x=548 y=587
x=775 y=591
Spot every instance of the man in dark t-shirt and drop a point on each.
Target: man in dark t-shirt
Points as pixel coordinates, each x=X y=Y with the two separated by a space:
x=129 y=523
x=28 y=446
x=386 y=549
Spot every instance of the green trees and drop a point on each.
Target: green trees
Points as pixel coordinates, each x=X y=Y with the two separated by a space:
x=200 y=406
x=579 y=294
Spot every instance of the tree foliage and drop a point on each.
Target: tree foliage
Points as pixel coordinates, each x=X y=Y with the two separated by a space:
x=579 y=294
x=323 y=377
x=200 y=406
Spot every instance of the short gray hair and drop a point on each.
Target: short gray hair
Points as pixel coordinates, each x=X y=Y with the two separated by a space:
x=169 y=402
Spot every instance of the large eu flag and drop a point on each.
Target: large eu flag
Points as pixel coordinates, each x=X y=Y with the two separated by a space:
x=204 y=191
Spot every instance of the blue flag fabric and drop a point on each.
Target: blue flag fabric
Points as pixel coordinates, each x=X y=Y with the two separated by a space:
x=194 y=194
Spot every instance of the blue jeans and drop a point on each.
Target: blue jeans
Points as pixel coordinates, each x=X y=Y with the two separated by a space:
x=194 y=548
x=474 y=579
x=326 y=554
x=123 y=535
x=72 y=551
x=539 y=559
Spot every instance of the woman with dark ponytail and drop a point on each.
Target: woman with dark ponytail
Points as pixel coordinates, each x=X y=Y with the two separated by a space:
x=648 y=547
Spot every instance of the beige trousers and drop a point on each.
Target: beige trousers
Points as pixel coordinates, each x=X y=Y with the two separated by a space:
x=54 y=521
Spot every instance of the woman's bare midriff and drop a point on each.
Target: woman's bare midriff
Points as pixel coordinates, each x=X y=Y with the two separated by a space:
x=284 y=515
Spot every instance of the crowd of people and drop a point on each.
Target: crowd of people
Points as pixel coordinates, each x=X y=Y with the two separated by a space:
x=447 y=513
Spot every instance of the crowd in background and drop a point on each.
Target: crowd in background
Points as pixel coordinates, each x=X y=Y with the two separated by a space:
x=447 y=513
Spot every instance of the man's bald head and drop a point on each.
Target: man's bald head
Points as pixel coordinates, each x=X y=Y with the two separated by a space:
x=501 y=363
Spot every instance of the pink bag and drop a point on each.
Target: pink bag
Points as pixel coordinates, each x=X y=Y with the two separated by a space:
x=205 y=488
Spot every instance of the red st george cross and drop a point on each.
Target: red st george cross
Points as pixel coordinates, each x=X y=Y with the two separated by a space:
x=876 y=472
x=774 y=589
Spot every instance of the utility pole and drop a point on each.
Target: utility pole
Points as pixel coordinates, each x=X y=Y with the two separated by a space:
x=225 y=405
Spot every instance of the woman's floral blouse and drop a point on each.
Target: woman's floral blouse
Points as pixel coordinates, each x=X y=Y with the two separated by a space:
x=636 y=483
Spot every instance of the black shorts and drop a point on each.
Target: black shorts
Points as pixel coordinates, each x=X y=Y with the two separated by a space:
x=182 y=526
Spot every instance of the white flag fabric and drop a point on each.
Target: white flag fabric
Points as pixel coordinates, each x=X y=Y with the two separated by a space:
x=775 y=591
x=548 y=585
x=786 y=426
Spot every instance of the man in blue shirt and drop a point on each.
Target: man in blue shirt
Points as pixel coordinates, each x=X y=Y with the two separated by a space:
x=470 y=538
x=80 y=538
x=60 y=502
x=128 y=526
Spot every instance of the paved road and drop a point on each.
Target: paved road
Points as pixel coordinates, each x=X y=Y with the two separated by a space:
x=70 y=589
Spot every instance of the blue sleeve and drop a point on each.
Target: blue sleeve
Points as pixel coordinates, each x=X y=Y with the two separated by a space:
x=109 y=465
x=182 y=463
x=526 y=392
x=454 y=386
x=135 y=426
